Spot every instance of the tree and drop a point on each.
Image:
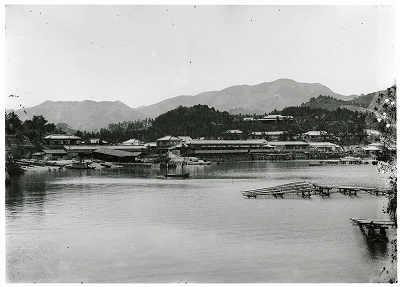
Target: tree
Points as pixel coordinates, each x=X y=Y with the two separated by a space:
x=386 y=122
x=385 y=112
x=13 y=124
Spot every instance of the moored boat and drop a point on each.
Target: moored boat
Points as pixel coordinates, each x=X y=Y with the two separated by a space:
x=180 y=175
x=315 y=163
x=106 y=164
x=199 y=162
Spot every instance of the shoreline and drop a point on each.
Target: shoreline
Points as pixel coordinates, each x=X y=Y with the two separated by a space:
x=59 y=165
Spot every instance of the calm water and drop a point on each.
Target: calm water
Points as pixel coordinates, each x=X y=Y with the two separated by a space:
x=132 y=225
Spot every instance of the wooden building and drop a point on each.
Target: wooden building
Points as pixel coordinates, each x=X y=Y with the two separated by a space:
x=269 y=135
x=168 y=142
x=58 y=141
x=316 y=136
x=290 y=145
x=55 y=154
x=275 y=119
x=198 y=147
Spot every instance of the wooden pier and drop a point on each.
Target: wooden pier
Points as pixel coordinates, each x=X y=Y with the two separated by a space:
x=374 y=229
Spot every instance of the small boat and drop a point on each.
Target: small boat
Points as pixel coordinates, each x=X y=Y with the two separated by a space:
x=106 y=164
x=199 y=162
x=315 y=163
x=180 y=175
x=80 y=165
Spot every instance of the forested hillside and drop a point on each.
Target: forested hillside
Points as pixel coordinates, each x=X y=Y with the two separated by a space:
x=331 y=103
x=201 y=121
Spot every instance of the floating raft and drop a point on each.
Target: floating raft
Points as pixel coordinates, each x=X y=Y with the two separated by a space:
x=302 y=187
x=374 y=229
x=348 y=190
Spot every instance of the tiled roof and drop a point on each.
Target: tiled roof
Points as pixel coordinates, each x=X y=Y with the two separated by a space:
x=283 y=143
x=62 y=137
x=228 y=142
x=132 y=142
x=268 y=133
x=117 y=153
x=94 y=147
x=315 y=133
x=54 y=151
x=273 y=117
x=321 y=144
x=169 y=138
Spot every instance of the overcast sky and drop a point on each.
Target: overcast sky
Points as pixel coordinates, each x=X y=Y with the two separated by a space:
x=141 y=55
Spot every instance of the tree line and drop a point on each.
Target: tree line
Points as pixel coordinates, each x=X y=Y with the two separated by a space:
x=201 y=121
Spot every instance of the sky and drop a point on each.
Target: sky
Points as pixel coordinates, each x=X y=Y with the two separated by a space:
x=144 y=54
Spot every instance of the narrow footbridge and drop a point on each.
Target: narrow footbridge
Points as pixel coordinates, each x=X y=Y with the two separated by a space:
x=306 y=189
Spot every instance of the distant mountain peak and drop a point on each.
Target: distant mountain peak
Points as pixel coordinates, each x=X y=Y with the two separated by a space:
x=262 y=98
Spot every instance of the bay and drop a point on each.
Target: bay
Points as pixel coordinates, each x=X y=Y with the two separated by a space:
x=132 y=225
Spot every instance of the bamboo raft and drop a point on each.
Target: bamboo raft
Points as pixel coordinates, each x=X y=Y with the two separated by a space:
x=304 y=189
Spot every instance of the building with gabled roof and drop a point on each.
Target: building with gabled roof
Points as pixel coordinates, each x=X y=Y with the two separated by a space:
x=316 y=136
x=269 y=135
x=132 y=142
x=168 y=142
x=59 y=140
x=275 y=118
x=324 y=146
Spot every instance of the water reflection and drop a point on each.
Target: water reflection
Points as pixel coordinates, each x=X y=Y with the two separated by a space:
x=28 y=190
x=377 y=249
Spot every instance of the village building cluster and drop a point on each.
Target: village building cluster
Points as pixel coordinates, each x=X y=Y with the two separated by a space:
x=262 y=145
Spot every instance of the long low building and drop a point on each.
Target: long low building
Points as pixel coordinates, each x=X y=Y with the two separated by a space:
x=324 y=146
x=87 y=150
x=196 y=147
x=290 y=145
x=113 y=155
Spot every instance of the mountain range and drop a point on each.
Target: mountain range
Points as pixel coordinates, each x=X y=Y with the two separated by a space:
x=258 y=99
